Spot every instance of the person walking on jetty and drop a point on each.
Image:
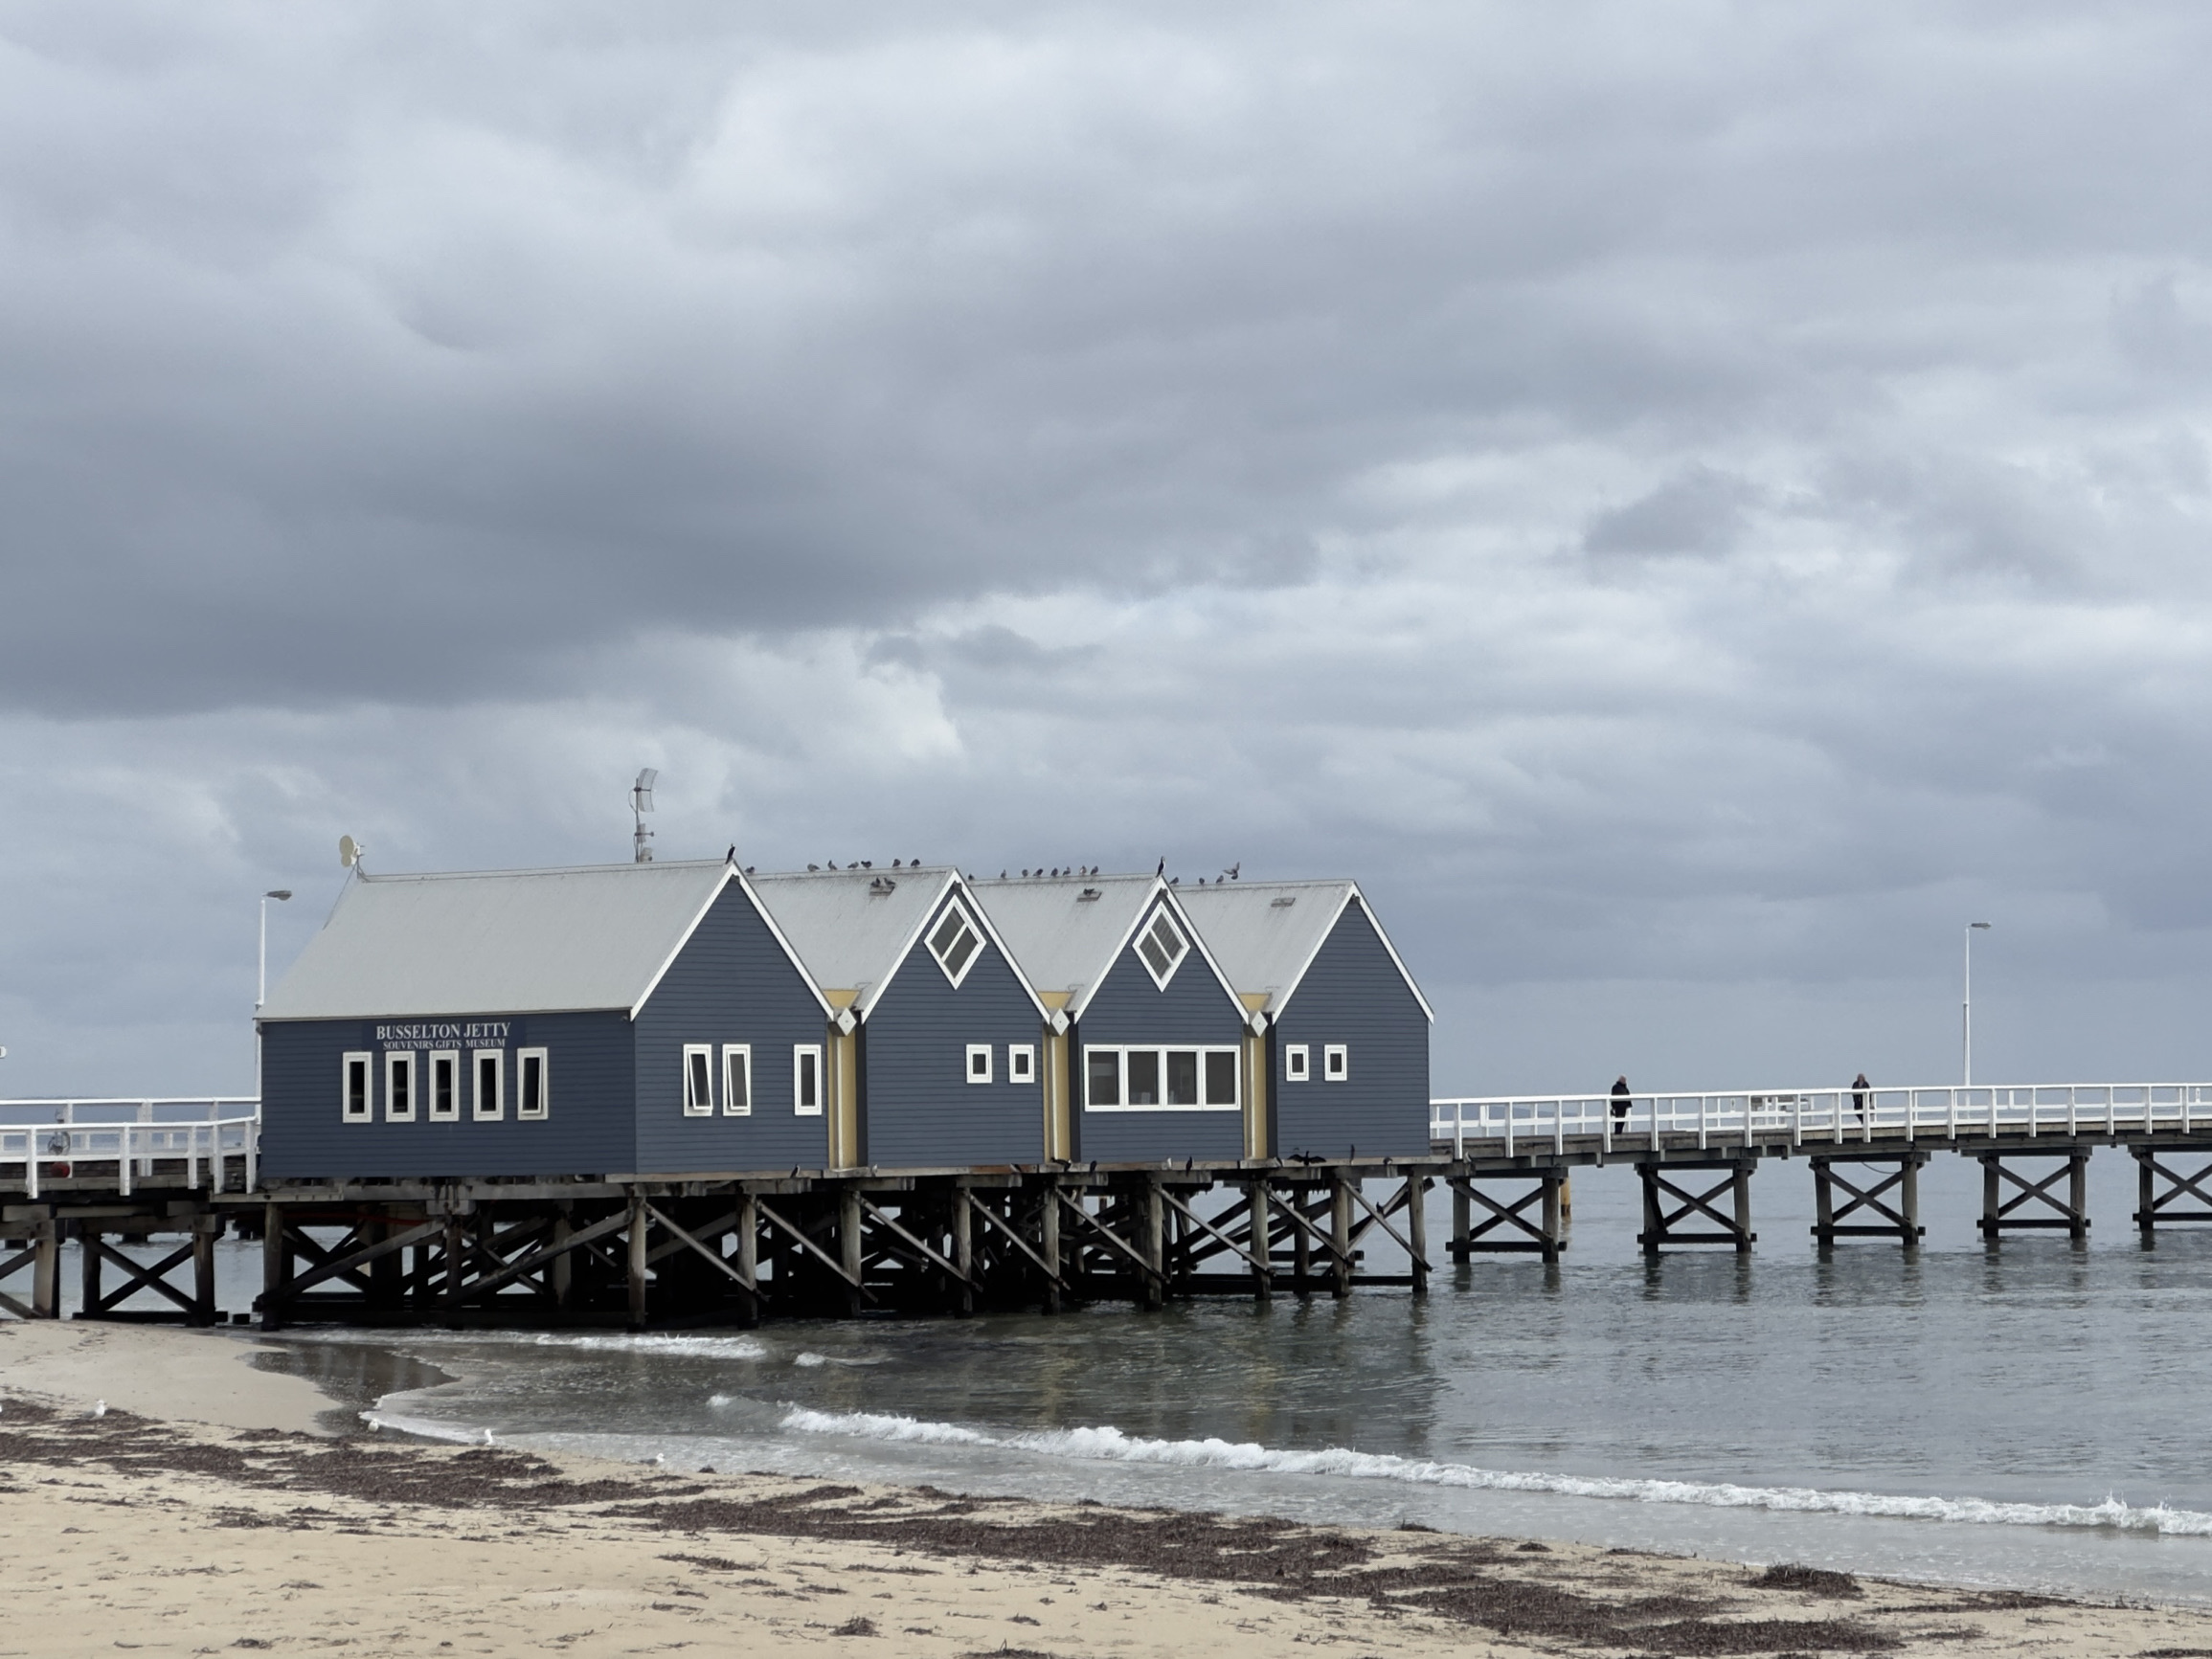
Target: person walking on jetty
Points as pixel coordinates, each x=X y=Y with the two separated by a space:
x=1620 y=1102
x=1859 y=1088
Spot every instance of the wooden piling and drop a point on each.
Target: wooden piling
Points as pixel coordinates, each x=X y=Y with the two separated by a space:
x=638 y=1254
x=1258 y=1240
x=205 y=1230
x=1048 y=1242
x=276 y=1266
x=1151 y=1240
x=849 y=1241
x=46 y=1271
x=964 y=1253
x=1417 y=1229
x=1341 y=1234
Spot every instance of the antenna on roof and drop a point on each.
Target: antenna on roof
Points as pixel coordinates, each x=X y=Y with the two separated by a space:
x=350 y=852
x=641 y=803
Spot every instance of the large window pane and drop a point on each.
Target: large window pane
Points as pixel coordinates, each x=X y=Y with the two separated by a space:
x=1182 y=1077
x=1220 y=1079
x=1144 y=1077
x=1105 y=1077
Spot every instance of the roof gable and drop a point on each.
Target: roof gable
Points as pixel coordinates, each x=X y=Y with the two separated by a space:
x=1266 y=945
x=853 y=928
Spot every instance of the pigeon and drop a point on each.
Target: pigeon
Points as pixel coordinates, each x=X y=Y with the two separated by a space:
x=731 y=857
x=894 y=863
x=814 y=866
x=1233 y=869
x=1162 y=870
x=868 y=863
x=1001 y=875
x=833 y=863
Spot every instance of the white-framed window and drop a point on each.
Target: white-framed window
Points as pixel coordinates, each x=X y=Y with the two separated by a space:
x=399 y=1087
x=956 y=942
x=979 y=1062
x=1294 y=1063
x=698 y=1080
x=1139 y=1077
x=532 y=1083
x=1161 y=947
x=1021 y=1062
x=355 y=1075
x=737 y=1080
x=1336 y=1063
x=445 y=1086
x=806 y=1080
x=488 y=1084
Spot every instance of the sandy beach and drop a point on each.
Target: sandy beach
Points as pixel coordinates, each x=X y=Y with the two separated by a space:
x=208 y=1509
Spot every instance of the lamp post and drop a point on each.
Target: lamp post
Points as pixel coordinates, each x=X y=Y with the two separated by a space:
x=261 y=985
x=1966 y=1004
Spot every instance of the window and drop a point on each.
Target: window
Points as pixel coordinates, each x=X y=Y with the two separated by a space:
x=698 y=1079
x=489 y=1066
x=1336 y=1063
x=1149 y=1079
x=444 y=1087
x=979 y=1062
x=353 y=1088
x=955 y=942
x=1162 y=944
x=1021 y=1062
x=806 y=1080
x=737 y=1080
x=1294 y=1063
x=399 y=1089
x=530 y=1084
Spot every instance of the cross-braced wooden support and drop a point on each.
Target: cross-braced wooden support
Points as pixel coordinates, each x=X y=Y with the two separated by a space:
x=2000 y=1215
x=35 y=1253
x=1507 y=1228
x=1899 y=1218
x=1663 y=1227
x=2165 y=1205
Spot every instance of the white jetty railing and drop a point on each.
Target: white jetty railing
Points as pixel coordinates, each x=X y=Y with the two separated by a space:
x=1938 y=1111
x=52 y=1137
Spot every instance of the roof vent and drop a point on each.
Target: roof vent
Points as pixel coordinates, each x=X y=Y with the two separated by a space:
x=880 y=888
x=1086 y=894
x=1284 y=902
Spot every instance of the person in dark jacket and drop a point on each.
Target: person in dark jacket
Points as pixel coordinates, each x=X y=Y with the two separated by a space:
x=1620 y=1102
x=1859 y=1088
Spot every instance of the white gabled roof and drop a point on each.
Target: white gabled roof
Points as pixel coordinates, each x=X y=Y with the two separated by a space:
x=853 y=928
x=1264 y=945
x=499 y=941
x=1063 y=941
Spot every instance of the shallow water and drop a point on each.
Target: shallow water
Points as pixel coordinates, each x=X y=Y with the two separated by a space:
x=2031 y=1416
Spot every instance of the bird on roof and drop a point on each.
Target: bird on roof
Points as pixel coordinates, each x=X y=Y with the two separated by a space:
x=1233 y=871
x=732 y=856
x=814 y=866
x=833 y=863
x=749 y=869
x=1162 y=870
x=894 y=863
x=1175 y=880
x=1001 y=875
x=868 y=863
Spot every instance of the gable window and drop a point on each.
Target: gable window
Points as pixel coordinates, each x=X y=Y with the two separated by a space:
x=399 y=1089
x=806 y=1080
x=1336 y=1063
x=490 y=1101
x=353 y=1088
x=1294 y=1063
x=444 y=1087
x=979 y=1062
x=698 y=1079
x=530 y=1083
x=1144 y=1078
x=1162 y=946
x=737 y=1080
x=1021 y=1062
x=955 y=942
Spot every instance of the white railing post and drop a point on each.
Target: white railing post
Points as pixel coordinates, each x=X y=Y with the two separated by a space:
x=1700 y=1123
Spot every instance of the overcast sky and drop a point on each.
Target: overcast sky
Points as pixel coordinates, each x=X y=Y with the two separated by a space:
x=1690 y=503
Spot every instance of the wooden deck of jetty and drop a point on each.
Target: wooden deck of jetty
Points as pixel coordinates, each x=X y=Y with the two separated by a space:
x=637 y=1250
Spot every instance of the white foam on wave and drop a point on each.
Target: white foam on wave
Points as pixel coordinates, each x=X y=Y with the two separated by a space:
x=1108 y=1443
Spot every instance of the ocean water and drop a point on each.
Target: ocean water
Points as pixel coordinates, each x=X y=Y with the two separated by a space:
x=2039 y=1415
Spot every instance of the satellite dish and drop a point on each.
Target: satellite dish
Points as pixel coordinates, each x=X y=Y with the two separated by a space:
x=646 y=780
x=349 y=851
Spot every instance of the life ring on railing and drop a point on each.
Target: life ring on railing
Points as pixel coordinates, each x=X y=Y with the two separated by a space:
x=60 y=1171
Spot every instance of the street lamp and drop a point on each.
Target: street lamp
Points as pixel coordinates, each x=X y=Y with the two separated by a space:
x=261 y=992
x=1966 y=1005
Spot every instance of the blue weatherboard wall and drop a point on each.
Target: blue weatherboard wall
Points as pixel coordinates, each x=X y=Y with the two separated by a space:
x=920 y=1110
x=589 y=1097
x=731 y=982
x=1353 y=993
x=1128 y=1008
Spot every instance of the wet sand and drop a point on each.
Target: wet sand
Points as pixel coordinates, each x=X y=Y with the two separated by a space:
x=203 y=1512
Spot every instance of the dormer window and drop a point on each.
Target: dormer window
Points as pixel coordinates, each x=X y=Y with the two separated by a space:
x=1162 y=946
x=954 y=943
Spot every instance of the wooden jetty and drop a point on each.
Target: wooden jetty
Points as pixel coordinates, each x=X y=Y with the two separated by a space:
x=639 y=1252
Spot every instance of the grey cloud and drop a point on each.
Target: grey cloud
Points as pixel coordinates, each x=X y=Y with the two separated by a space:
x=1700 y=512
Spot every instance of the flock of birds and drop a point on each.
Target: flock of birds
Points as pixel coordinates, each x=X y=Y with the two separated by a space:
x=1056 y=873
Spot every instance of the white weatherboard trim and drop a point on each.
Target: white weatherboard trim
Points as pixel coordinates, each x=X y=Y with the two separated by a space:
x=732 y=873
x=1123 y=1051
x=698 y=1080
x=801 y=1054
x=978 y=1052
x=737 y=1080
x=481 y=1110
x=951 y=913
x=1297 y=1067
x=1021 y=1062
x=367 y=1061
x=1145 y=935
x=449 y=1058
x=398 y=1063
x=544 y=1107
x=1336 y=1063
x=1351 y=893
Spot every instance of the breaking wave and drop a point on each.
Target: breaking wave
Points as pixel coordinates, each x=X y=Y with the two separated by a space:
x=1109 y=1444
